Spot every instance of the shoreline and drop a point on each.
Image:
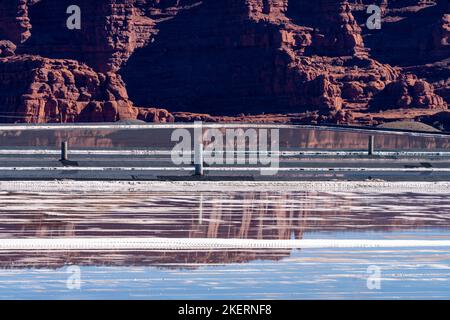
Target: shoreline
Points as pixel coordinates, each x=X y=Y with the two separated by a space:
x=224 y=186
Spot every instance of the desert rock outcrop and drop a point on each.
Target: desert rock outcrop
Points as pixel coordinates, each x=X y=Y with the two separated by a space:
x=221 y=58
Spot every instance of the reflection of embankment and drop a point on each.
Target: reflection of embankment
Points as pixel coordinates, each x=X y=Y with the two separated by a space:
x=251 y=215
x=161 y=139
x=166 y=259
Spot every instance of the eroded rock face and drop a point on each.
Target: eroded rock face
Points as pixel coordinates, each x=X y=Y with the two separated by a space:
x=335 y=30
x=111 y=29
x=414 y=35
x=260 y=56
x=7 y=48
x=14 y=21
x=35 y=89
x=413 y=32
x=408 y=92
x=106 y=37
x=227 y=57
x=251 y=57
x=155 y=115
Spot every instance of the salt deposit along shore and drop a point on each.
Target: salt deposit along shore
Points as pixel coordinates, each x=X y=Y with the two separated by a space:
x=204 y=186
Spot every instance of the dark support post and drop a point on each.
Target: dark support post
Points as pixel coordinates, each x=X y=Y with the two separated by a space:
x=64 y=147
x=371 y=145
x=198 y=159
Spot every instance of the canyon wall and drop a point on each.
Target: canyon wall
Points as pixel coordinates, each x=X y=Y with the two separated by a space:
x=316 y=60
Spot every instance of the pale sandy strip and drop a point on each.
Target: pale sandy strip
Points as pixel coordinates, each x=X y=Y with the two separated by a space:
x=227 y=186
x=205 y=244
x=74 y=168
x=227 y=169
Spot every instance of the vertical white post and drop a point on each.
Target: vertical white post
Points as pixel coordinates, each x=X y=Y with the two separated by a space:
x=198 y=159
x=64 y=151
x=198 y=148
x=371 y=150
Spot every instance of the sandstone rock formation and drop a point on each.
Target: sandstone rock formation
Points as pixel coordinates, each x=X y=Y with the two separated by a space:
x=415 y=35
x=36 y=89
x=14 y=21
x=7 y=48
x=226 y=60
x=253 y=57
x=407 y=92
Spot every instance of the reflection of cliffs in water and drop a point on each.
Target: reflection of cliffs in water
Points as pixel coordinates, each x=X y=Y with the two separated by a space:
x=161 y=139
x=323 y=139
x=244 y=215
x=252 y=215
x=168 y=215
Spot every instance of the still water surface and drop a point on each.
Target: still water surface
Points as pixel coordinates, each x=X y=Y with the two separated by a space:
x=422 y=272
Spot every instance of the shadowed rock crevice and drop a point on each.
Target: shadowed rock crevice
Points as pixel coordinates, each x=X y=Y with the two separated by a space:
x=205 y=60
x=229 y=62
x=412 y=37
x=94 y=44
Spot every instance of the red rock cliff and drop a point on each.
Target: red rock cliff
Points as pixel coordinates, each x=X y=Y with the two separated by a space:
x=225 y=57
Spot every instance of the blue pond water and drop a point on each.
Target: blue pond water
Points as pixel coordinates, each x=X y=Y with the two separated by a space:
x=325 y=273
